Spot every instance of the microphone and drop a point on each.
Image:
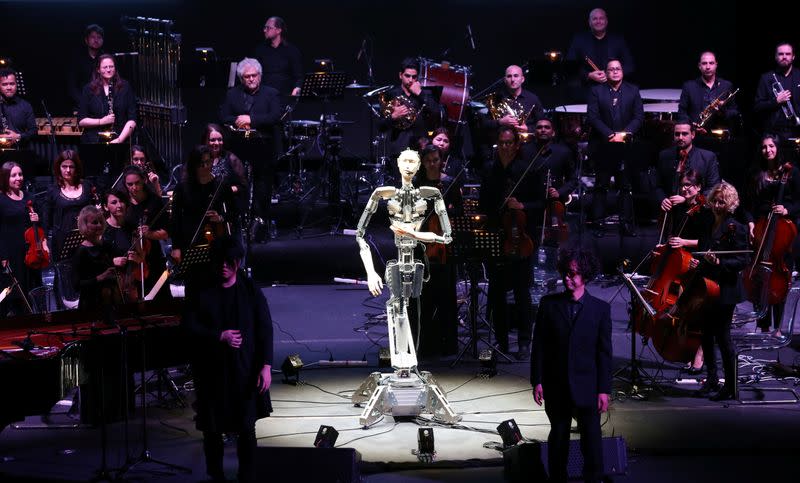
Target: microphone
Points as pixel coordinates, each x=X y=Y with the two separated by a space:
x=470 y=37
x=362 y=50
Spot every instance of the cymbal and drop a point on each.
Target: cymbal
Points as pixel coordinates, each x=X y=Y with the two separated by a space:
x=356 y=85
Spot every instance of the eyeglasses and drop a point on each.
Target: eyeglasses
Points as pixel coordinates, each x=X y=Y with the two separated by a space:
x=614 y=69
x=572 y=273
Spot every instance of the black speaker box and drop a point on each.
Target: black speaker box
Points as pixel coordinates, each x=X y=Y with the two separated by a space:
x=528 y=462
x=320 y=465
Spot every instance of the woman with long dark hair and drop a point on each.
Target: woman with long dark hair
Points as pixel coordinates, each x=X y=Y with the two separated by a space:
x=107 y=105
x=772 y=174
x=15 y=218
x=225 y=164
x=65 y=198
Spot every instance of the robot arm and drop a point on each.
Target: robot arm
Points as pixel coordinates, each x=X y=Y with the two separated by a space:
x=428 y=192
x=373 y=279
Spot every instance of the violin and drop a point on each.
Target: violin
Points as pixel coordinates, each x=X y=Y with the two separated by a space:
x=36 y=257
x=767 y=279
x=517 y=242
x=554 y=229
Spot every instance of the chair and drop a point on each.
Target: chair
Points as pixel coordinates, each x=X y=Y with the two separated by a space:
x=753 y=341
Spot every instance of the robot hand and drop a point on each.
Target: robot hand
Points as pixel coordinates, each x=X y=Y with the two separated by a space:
x=374 y=283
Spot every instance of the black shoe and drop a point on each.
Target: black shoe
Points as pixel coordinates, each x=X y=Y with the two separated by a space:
x=694 y=371
x=707 y=389
x=628 y=229
x=724 y=394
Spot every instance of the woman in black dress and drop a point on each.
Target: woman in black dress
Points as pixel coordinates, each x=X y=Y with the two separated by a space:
x=107 y=105
x=65 y=198
x=15 y=218
x=766 y=185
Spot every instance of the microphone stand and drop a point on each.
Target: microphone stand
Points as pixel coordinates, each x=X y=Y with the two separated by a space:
x=52 y=135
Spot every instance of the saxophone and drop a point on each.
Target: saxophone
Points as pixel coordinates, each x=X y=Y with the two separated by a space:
x=387 y=105
x=109 y=133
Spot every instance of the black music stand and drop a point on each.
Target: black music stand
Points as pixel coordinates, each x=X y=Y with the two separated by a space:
x=326 y=86
x=637 y=376
x=472 y=244
x=71 y=243
x=194 y=256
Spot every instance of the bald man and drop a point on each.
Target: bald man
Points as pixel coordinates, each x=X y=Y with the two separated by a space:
x=531 y=105
x=599 y=45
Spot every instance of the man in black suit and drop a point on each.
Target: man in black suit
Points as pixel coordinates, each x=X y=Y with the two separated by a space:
x=674 y=161
x=616 y=114
x=571 y=364
x=254 y=110
x=599 y=45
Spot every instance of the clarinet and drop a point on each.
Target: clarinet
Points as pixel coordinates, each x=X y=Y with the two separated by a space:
x=109 y=133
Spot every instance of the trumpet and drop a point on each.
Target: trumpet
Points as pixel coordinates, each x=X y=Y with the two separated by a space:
x=786 y=107
x=714 y=105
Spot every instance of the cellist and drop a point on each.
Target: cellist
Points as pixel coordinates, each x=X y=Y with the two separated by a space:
x=726 y=234
x=766 y=183
x=690 y=221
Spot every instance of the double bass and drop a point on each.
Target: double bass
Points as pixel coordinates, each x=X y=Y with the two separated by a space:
x=767 y=279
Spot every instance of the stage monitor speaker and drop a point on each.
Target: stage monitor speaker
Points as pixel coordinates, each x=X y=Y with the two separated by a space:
x=320 y=465
x=528 y=462
x=326 y=437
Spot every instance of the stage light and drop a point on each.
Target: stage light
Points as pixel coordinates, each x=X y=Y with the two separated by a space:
x=326 y=437
x=425 y=447
x=291 y=368
x=323 y=65
x=488 y=360
x=553 y=55
x=510 y=433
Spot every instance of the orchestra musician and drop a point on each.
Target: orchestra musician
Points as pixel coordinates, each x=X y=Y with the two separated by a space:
x=96 y=263
x=766 y=184
x=615 y=113
x=281 y=61
x=438 y=333
x=688 y=228
x=407 y=107
x=513 y=93
x=204 y=207
x=778 y=96
x=140 y=160
x=452 y=164
x=147 y=212
x=598 y=45
x=107 y=105
x=15 y=218
x=84 y=62
x=507 y=210
x=671 y=160
x=697 y=94
x=64 y=199
x=225 y=164
x=556 y=159
x=17 y=121
x=726 y=234
x=253 y=110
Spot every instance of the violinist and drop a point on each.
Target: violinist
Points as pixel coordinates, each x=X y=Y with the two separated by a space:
x=684 y=155
x=505 y=209
x=204 y=206
x=555 y=159
x=726 y=234
x=139 y=159
x=689 y=222
x=439 y=314
x=124 y=239
x=65 y=198
x=15 y=219
x=95 y=263
x=147 y=212
x=770 y=194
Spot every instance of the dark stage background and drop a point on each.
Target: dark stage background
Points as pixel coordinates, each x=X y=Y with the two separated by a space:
x=665 y=37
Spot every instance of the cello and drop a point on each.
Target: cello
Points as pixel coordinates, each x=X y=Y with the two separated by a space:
x=36 y=257
x=767 y=279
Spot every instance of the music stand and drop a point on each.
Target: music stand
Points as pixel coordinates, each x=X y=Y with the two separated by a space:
x=326 y=86
x=71 y=243
x=473 y=244
x=196 y=255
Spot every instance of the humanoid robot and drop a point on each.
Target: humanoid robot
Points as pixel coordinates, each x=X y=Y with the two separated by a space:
x=407 y=391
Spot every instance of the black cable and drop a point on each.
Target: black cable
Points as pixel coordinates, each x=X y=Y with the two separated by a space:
x=366 y=436
x=326 y=350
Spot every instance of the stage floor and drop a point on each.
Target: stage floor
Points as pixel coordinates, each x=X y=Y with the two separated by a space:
x=670 y=435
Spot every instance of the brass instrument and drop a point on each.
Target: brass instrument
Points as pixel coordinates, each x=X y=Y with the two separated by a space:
x=500 y=108
x=786 y=107
x=715 y=105
x=387 y=105
x=6 y=141
x=109 y=134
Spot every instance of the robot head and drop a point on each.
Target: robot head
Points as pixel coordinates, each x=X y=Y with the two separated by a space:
x=408 y=162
